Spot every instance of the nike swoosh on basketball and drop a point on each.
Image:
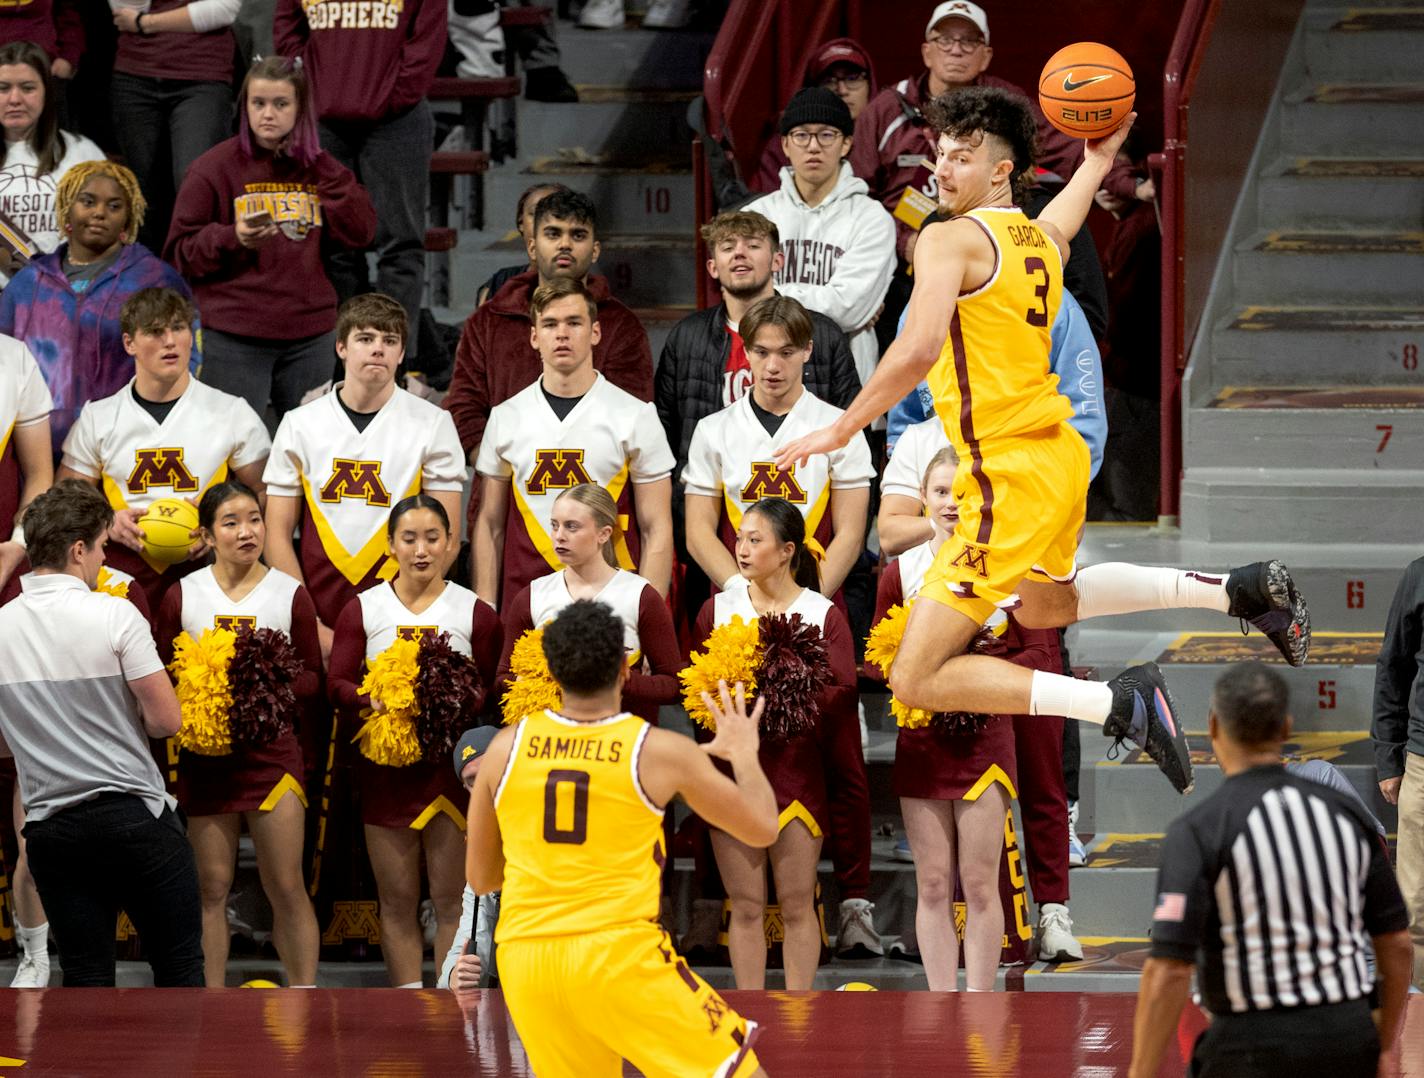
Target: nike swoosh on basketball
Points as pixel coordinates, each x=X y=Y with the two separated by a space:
x=1069 y=85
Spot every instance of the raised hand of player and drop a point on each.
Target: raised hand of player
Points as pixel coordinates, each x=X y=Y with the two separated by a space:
x=125 y=529
x=825 y=440
x=737 y=733
x=1103 y=151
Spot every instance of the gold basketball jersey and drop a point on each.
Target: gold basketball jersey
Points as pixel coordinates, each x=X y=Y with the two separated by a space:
x=583 y=843
x=992 y=378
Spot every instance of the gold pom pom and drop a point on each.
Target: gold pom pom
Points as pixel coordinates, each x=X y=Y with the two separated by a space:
x=201 y=668
x=881 y=647
x=388 y=736
x=534 y=688
x=110 y=584
x=732 y=654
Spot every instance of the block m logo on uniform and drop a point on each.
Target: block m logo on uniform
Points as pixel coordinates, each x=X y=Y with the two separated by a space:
x=234 y=622
x=356 y=479
x=769 y=481
x=556 y=469
x=160 y=468
x=975 y=559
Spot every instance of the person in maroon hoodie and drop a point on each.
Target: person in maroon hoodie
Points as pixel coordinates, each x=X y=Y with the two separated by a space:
x=172 y=94
x=247 y=234
x=53 y=25
x=495 y=360
x=371 y=65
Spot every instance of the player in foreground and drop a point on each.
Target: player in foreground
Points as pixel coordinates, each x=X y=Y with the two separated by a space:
x=566 y=818
x=987 y=288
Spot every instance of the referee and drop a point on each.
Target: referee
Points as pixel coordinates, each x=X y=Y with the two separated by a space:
x=1274 y=886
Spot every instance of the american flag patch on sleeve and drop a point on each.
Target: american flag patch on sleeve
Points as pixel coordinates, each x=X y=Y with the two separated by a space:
x=1171 y=906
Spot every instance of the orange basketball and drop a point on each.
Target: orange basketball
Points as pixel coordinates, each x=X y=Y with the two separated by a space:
x=1086 y=89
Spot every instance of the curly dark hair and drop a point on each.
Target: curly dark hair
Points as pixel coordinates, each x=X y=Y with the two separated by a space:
x=583 y=646
x=991 y=112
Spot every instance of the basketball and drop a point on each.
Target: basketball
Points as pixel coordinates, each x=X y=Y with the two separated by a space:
x=857 y=986
x=167 y=530
x=260 y=984
x=1086 y=89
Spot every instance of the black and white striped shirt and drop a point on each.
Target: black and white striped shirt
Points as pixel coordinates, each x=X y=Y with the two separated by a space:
x=1274 y=885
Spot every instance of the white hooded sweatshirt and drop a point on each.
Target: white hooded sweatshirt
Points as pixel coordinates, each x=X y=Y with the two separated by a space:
x=839 y=256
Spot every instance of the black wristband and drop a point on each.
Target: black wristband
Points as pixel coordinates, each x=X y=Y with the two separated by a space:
x=138 y=24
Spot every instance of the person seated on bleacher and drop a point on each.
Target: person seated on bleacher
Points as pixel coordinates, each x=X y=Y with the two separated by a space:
x=842 y=66
x=837 y=243
x=248 y=231
x=369 y=79
x=524 y=224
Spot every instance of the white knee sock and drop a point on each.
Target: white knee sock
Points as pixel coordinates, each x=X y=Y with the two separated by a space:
x=1054 y=694
x=412 y=984
x=34 y=941
x=1119 y=588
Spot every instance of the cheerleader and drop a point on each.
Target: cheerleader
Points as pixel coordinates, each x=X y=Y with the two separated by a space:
x=260 y=784
x=585 y=533
x=417 y=807
x=782 y=578
x=954 y=788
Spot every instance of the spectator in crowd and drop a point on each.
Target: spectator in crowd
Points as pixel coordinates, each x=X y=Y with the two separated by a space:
x=252 y=219
x=1398 y=732
x=81 y=684
x=730 y=467
x=469 y=963
x=37 y=153
x=172 y=93
x=524 y=224
x=418 y=808
x=340 y=461
x=841 y=65
x=163 y=435
x=65 y=305
x=476 y=34
x=572 y=426
x=586 y=535
x=370 y=77
x=55 y=26
x=1286 y=993
x=837 y=243
x=259 y=784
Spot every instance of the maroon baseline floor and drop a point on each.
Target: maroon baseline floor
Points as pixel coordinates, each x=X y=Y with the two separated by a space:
x=376 y=1033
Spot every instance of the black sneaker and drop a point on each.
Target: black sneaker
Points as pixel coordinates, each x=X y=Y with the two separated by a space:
x=1264 y=595
x=549 y=84
x=1143 y=712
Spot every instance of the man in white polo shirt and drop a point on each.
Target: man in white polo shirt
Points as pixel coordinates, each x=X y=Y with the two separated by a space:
x=81 y=687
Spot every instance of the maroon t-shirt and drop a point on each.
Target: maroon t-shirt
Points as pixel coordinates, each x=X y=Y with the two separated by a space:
x=189 y=57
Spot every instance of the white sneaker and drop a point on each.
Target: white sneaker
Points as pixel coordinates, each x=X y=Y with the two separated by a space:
x=1077 y=855
x=33 y=972
x=668 y=14
x=603 y=15
x=1055 y=935
x=427 y=923
x=857 y=936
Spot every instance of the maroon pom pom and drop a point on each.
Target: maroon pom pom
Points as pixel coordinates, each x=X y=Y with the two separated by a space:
x=264 y=665
x=449 y=694
x=795 y=667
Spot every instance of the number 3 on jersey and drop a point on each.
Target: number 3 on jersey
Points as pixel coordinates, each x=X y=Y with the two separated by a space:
x=1037 y=266
x=566 y=790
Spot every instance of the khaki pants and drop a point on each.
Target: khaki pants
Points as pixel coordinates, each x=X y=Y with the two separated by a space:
x=1410 y=865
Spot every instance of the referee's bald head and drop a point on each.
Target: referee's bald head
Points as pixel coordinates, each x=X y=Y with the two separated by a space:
x=1251 y=703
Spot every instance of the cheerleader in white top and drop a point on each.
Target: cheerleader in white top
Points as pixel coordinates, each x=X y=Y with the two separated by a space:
x=260 y=784
x=420 y=806
x=781 y=572
x=585 y=534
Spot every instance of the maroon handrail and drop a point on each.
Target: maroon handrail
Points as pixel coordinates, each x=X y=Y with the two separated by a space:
x=1178 y=81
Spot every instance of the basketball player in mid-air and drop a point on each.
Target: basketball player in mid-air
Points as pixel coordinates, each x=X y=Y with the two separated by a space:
x=566 y=816
x=987 y=287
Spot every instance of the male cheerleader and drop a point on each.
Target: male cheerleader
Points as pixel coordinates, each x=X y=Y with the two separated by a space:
x=566 y=817
x=988 y=284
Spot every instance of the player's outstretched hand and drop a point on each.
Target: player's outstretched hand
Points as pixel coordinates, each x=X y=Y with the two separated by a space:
x=737 y=736
x=825 y=440
x=125 y=528
x=1104 y=150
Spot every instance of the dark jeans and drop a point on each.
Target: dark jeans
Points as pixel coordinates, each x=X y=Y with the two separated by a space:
x=1337 y=1039
x=110 y=854
x=391 y=157
x=262 y=371
x=163 y=126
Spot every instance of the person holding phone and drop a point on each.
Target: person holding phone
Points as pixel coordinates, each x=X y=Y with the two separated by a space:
x=252 y=217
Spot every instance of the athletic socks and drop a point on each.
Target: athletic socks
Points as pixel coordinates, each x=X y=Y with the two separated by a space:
x=1120 y=588
x=34 y=941
x=412 y=984
x=1054 y=694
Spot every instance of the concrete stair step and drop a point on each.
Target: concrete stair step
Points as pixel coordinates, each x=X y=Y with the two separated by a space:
x=1368 y=118
x=658 y=322
x=652 y=198
x=634 y=57
x=1301 y=265
x=614 y=122
x=1342 y=192
x=1254 y=427
x=1386 y=40
x=1319 y=345
x=654 y=270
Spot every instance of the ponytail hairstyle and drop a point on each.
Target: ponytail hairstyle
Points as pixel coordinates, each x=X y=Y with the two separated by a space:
x=604 y=511
x=789 y=526
x=303 y=145
x=416 y=501
x=46 y=140
x=214 y=497
x=947 y=455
